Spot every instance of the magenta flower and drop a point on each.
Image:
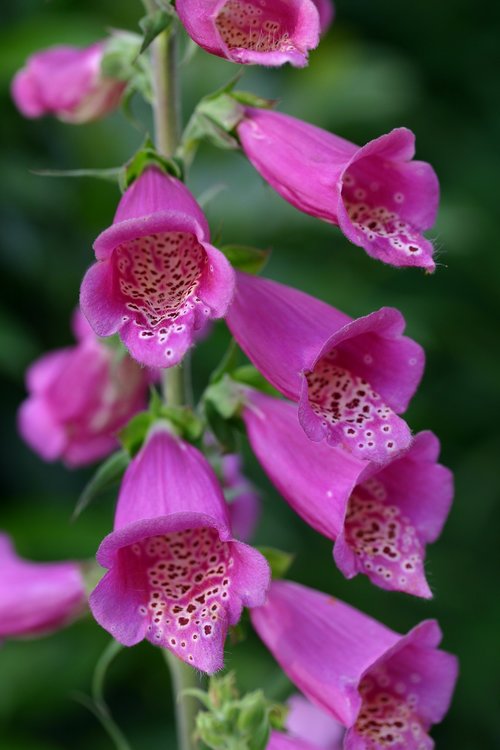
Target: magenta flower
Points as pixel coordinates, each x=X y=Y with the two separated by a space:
x=282 y=741
x=261 y=32
x=387 y=689
x=177 y=576
x=157 y=279
x=79 y=398
x=37 y=598
x=378 y=196
x=308 y=722
x=326 y=10
x=381 y=518
x=243 y=500
x=66 y=82
x=351 y=377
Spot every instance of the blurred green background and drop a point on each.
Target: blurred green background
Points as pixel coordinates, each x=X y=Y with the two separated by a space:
x=432 y=66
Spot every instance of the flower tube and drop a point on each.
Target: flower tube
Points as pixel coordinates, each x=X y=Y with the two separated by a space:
x=157 y=279
x=380 y=518
x=79 y=397
x=67 y=82
x=380 y=198
x=351 y=377
x=36 y=598
x=387 y=689
x=176 y=575
x=259 y=32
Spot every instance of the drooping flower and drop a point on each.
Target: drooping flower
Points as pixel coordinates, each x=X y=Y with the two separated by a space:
x=380 y=198
x=66 y=82
x=387 y=689
x=308 y=722
x=351 y=377
x=157 y=279
x=79 y=397
x=380 y=518
x=176 y=574
x=261 y=32
x=243 y=500
x=326 y=10
x=36 y=598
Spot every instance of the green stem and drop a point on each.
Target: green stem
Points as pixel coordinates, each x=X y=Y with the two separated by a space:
x=186 y=706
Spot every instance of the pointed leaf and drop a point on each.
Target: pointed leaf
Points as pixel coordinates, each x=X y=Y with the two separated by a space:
x=279 y=561
x=246 y=258
x=106 y=475
x=153 y=24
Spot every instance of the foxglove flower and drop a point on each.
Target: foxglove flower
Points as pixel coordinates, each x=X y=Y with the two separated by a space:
x=66 y=82
x=387 y=689
x=79 y=397
x=381 y=518
x=350 y=377
x=380 y=198
x=157 y=279
x=262 y=32
x=176 y=575
x=243 y=500
x=37 y=598
x=308 y=722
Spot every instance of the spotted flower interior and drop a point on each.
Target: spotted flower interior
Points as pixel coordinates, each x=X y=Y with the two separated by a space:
x=354 y=415
x=182 y=582
x=389 y=715
x=384 y=540
x=157 y=277
x=265 y=26
x=381 y=209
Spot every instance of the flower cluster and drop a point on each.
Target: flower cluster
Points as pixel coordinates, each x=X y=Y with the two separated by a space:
x=332 y=439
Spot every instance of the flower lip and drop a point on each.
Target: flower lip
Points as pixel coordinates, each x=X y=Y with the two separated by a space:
x=152 y=527
x=301 y=35
x=136 y=228
x=390 y=323
x=385 y=205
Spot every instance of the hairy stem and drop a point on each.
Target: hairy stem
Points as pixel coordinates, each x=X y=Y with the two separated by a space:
x=186 y=706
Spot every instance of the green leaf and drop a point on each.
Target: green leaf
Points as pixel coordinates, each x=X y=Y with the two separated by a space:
x=279 y=561
x=186 y=422
x=246 y=258
x=133 y=434
x=119 y=59
x=226 y=396
x=146 y=156
x=252 y=100
x=106 y=475
x=222 y=429
x=248 y=375
x=153 y=24
x=112 y=174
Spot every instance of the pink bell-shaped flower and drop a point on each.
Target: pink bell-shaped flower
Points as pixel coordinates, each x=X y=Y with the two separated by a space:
x=243 y=500
x=308 y=727
x=380 y=518
x=176 y=574
x=36 y=598
x=259 y=32
x=66 y=82
x=157 y=279
x=380 y=198
x=79 y=397
x=351 y=377
x=385 y=688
